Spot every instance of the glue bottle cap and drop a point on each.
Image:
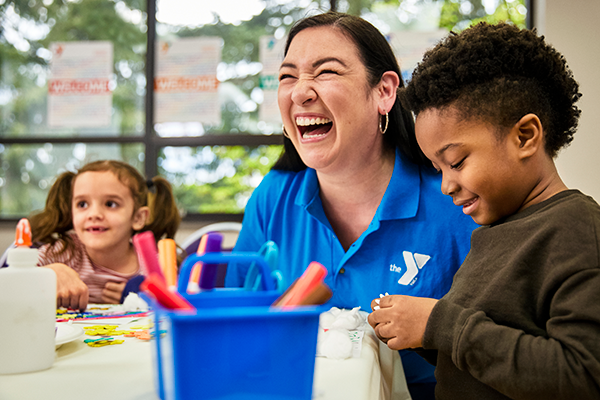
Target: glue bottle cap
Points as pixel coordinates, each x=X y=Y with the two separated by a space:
x=23 y=254
x=23 y=233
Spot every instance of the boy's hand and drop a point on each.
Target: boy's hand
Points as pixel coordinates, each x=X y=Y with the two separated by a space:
x=400 y=320
x=71 y=292
x=112 y=292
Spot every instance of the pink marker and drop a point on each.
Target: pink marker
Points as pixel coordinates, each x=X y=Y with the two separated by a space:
x=145 y=246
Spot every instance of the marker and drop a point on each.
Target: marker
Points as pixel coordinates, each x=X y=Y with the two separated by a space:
x=304 y=286
x=167 y=258
x=270 y=252
x=193 y=284
x=155 y=285
x=319 y=295
x=203 y=277
x=145 y=246
x=208 y=277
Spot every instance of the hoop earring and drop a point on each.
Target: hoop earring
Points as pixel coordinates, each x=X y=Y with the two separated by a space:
x=387 y=120
x=284 y=133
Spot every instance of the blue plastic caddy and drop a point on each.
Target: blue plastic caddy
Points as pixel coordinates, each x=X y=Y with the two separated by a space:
x=234 y=346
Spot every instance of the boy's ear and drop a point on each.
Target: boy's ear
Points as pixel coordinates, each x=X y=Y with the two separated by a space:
x=528 y=134
x=140 y=217
x=387 y=91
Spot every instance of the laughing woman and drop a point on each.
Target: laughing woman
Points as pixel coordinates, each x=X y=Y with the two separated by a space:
x=352 y=190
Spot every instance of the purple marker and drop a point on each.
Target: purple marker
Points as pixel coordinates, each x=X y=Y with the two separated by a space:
x=208 y=275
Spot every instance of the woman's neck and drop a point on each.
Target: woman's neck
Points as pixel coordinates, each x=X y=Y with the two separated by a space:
x=350 y=199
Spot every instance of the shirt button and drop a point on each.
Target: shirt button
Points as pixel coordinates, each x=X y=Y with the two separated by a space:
x=342 y=270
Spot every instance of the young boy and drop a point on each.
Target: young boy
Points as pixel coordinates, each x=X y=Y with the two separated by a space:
x=494 y=105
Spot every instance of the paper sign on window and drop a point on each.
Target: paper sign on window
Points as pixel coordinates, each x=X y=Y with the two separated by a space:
x=79 y=93
x=271 y=56
x=186 y=85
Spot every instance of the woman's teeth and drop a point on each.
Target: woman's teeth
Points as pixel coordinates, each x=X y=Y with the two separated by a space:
x=312 y=121
x=312 y=127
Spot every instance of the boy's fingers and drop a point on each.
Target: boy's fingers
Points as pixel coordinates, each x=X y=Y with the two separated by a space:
x=386 y=301
x=377 y=317
x=395 y=344
x=382 y=338
x=381 y=302
x=375 y=304
x=381 y=330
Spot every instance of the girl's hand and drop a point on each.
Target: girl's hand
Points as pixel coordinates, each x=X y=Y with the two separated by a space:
x=112 y=292
x=400 y=320
x=71 y=292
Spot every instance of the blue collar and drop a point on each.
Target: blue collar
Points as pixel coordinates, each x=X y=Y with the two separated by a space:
x=400 y=201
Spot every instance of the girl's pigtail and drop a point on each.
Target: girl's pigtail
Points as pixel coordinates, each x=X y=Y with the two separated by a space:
x=51 y=224
x=164 y=216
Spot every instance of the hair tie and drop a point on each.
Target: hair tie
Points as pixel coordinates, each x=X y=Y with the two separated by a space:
x=151 y=186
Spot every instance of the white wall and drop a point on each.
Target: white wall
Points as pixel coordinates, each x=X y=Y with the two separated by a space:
x=573 y=28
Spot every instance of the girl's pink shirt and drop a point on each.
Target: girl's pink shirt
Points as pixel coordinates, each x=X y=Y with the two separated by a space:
x=93 y=275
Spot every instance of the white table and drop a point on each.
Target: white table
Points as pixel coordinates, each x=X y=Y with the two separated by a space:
x=125 y=371
x=377 y=374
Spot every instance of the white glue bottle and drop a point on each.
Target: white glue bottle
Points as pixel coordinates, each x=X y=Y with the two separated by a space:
x=27 y=309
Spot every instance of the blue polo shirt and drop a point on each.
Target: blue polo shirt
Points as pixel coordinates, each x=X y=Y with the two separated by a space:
x=417 y=240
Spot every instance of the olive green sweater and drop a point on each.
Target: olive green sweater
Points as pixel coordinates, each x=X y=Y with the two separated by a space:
x=522 y=319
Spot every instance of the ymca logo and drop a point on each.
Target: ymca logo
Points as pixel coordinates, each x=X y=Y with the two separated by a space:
x=414 y=263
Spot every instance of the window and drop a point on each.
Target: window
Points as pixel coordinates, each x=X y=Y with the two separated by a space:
x=74 y=88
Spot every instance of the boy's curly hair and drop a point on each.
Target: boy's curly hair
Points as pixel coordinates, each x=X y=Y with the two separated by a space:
x=497 y=74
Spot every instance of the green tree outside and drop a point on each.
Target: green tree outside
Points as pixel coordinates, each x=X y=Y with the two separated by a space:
x=216 y=179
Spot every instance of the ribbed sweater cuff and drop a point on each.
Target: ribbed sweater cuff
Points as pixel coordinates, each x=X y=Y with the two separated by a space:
x=444 y=326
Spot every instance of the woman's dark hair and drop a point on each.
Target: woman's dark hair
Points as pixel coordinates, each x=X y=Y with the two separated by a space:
x=497 y=74
x=378 y=58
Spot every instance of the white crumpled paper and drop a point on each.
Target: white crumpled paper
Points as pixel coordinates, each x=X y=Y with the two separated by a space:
x=340 y=333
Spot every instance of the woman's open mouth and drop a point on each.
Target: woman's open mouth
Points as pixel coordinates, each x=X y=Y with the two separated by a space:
x=313 y=127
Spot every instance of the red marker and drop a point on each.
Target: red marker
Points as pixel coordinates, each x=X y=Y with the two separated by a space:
x=158 y=289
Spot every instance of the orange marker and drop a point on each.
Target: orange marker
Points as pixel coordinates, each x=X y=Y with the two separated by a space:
x=318 y=295
x=307 y=283
x=194 y=283
x=23 y=233
x=167 y=258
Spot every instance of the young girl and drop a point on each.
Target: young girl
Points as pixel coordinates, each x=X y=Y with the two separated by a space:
x=87 y=225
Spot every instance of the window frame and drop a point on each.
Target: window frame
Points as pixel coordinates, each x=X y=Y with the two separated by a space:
x=153 y=143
